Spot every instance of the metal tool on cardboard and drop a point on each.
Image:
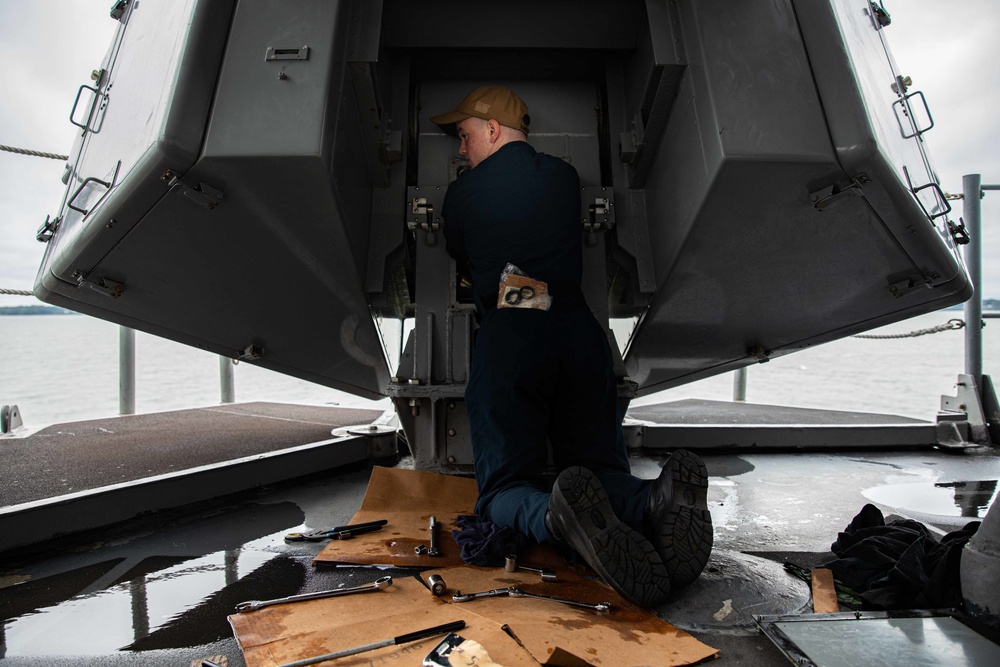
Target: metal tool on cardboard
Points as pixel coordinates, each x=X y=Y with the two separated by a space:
x=514 y=592
x=435 y=546
x=434 y=549
x=436 y=583
x=511 y=565
x=377 y=585
x=395 y=641
x=438 y=657
x=338 y=532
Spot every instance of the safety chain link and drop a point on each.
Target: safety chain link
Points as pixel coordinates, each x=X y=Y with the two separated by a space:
x=951 y=325
x=25 y=151
x=16 y=292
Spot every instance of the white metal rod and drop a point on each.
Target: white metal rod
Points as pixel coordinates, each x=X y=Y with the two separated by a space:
x=227 y=382
x=971 y=201
x=740 y=385
x=126 y=371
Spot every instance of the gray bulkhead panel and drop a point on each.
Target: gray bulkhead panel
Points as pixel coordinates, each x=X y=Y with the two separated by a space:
x=779 y=214
x=259 y=245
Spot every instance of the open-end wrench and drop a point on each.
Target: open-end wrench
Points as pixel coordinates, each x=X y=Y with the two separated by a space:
x=599 y=607
x=253 y=605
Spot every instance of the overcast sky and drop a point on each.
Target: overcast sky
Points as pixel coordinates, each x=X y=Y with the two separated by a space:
x=49 y=48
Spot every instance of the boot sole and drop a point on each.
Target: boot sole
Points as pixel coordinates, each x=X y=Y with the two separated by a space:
x=684 y=538
x=621 y=556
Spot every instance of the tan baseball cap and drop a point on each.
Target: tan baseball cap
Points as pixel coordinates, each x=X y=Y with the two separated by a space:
x=486 y=102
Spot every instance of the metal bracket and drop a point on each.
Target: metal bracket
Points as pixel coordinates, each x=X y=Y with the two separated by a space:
x=821 y=199
x=201 y=194
x=105 y=286
x=118 y=10
x=251 y=352
x=599 y=211
x=958 y=232
x=421 y=214
x=967 y=403
x=907 y=285
x=10 y=419
x=48 y=229
x=880 y=16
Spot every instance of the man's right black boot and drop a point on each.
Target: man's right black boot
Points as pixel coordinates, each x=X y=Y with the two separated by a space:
x=580 y=515
x=677 y=518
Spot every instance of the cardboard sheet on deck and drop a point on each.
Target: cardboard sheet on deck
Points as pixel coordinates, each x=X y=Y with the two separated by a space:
x=554 y=634
x=285 y=633
x=408 y=499
x=558 y=634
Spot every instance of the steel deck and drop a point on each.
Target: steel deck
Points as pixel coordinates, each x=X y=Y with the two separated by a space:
x=156 y=590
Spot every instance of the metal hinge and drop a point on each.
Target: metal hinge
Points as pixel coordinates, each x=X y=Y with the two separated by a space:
x=421 y=211
x=48 y=229
x=907 y=285
x=118 y=10
x=598 y=209
x=821 y=199
x=958 y=232
x=201 y=194
x=879 y=14
x=251 y=352
x=105 y=286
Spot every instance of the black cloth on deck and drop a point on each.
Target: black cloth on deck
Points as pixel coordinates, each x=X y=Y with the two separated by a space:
x=899 y=565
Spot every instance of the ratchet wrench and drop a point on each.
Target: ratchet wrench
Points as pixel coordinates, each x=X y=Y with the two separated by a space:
x=254 y=605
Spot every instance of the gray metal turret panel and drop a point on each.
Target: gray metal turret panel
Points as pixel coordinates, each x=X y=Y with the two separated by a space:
x=748 y=266
x=258 y=235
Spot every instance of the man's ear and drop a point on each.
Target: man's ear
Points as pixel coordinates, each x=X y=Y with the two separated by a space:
x=494 y=130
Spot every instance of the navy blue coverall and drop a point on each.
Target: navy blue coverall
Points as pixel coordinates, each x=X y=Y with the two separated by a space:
x=535 y=374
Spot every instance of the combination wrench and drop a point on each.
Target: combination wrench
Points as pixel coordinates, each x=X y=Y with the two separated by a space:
x=254 y=605
x=513 y=592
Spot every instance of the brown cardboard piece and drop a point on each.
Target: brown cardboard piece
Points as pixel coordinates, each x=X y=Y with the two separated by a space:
x=545 y=632
x=285 y=633
x=824 y=592
x=565 y=636
x=408 y=499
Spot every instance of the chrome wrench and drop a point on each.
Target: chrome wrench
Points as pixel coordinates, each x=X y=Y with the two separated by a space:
x=518 y=593
x=599 y=607
x=254 y=605
x=495 y=593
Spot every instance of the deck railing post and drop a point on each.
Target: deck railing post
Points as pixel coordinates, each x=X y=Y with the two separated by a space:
x=740 y=385
x=972 y=192
x=126 y=371
x=227 y=382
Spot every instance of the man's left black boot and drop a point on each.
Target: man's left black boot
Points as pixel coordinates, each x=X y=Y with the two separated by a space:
x=677 y=519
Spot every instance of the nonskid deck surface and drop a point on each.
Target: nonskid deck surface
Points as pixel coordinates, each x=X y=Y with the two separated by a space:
x=78 y=456
x=158 y=591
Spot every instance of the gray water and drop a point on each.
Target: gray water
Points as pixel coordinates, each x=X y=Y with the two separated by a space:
x=62 y=368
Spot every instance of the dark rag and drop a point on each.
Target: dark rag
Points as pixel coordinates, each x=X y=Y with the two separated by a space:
x=899 y=565
x=486 y=544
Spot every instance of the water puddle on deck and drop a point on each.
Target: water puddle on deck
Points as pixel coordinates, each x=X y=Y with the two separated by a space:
x=181 y=605
x=955 y=499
